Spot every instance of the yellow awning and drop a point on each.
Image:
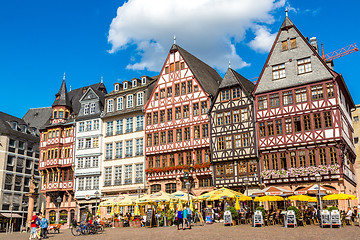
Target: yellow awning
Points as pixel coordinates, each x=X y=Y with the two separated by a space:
x=340 y=196
x=268 y=199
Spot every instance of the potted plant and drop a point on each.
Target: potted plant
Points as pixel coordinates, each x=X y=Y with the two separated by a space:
x=170 y=215
x=262 y=210
x=234 y=214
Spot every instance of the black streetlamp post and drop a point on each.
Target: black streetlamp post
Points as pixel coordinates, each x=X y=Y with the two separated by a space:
x=58 y=200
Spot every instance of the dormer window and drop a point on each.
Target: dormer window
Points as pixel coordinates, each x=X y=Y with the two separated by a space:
x=134 y=82
x=55 y=114
x=92 y=108
x=23 y=128
x=125 y=85
x=116 y=87
x=143 y=80
x=66 y=114
x=14 y=125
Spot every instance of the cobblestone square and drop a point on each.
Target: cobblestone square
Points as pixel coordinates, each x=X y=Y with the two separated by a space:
x=215 y=231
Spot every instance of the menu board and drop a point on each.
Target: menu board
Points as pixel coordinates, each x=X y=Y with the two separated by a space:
x=258 y=218
x=290 y=218
x=227 y=218
x=149 y=217
x=325 y=218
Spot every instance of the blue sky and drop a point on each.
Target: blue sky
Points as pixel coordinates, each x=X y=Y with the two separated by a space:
x=41 y=40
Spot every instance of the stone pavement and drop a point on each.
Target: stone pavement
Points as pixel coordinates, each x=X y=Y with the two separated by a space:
x=214 y=231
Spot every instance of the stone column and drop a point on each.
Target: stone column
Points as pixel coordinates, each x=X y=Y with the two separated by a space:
x=32 y=198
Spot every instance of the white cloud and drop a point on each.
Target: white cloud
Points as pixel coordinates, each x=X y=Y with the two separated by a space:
x=263 y=40
x=209 y=29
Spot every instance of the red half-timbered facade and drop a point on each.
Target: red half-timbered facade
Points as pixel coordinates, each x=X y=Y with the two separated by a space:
x=177 y=124
x=303 y=116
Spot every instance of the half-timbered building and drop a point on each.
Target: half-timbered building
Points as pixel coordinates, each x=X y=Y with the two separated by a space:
x=233 y=135
x=177 y=124
x=57 y=152
x=303 y=114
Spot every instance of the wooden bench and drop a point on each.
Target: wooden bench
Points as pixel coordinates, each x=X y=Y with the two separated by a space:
x=54 y=227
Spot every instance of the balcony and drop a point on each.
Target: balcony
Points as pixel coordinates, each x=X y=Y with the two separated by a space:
x=107 y=183
x=58 y=186
x=118 y=156
x=128 y=155
x=119 y=132
x=139 y=128
x=139 y=153
x=128 y=181
x=139 y=180
x=117 y=182
x=128 y=130
x=108 y=158
x=109 y=134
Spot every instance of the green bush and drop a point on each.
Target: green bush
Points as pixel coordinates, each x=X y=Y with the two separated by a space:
x=234 y=213
x=262 y=210
x=332 y=208
x=296 y=210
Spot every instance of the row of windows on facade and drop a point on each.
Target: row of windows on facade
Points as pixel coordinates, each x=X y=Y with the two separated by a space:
x=120 y=102
x=303 y=66
x=86 y=143
x=88 y=183
x=244 y=168
x=182 y=158
x=20 y=164
x=156 y=117
x=57 y=133
x=234 y=116
x=56 y=153
x=296 y=124
x=56 y=176
x=22 y=127
x=186 y=88
x=134 y=83
x=302 y=158
x=21 y=145
x=16 y=182
x=89 y=108
x=171 y=187
x=15 y=200
x=139 y=149
x=182 y=134
x=175 y=66
x=119 y=124
x=87 y=162
x=114 y=176
x=90 y=125
x=301 y=95
x=60 y=114
x=233 y=141
x=228 y=94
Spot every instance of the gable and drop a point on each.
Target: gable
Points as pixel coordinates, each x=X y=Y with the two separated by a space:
x=290 y=58
x=89 y=95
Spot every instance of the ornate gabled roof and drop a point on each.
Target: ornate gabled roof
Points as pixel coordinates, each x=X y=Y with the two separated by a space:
x=208 y=77
x=62 y=98
x=233 y=78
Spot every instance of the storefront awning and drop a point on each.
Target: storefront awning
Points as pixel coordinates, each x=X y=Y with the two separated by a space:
x=9 y=215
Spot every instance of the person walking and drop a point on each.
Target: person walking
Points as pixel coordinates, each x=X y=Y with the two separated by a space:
x=179 y=219
x=44 y=223
x=33 y=226
x=185 y=217
x=189 y=216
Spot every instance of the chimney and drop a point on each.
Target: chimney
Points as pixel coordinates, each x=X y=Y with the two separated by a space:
x=313 y=43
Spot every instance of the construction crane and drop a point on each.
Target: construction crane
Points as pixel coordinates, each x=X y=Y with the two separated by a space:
x=339 y=53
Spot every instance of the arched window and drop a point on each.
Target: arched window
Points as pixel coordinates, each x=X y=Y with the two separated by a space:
x=52 y=216
x=155 y=188
x=55 y=114
x=63 y=215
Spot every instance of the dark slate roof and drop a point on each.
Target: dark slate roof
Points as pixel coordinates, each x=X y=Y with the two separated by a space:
x=208 y=78
x=62 y=98
x=76 y=94
x=37 y=117
x=6 y=127
x=233 y=78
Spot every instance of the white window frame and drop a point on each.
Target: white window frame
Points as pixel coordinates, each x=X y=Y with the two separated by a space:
x=116 y=87
x=125 y=85
x=140 y=99
x=110 y=105
x=92 y=108
x=143 y=80
x=278 y=71
x=134 y=83
x=129 y=101
x=128 y=148
x=120 y=103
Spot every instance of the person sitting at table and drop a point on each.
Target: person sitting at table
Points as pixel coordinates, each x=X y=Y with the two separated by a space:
x=143 y=221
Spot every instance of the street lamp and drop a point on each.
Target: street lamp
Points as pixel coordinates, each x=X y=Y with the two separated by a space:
x=11 y=225
x=24 y=205
x=58 y=200
x=138 y=191
x=246 y=180
x=318 y=180
x=188 y=186
x=97 y=194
